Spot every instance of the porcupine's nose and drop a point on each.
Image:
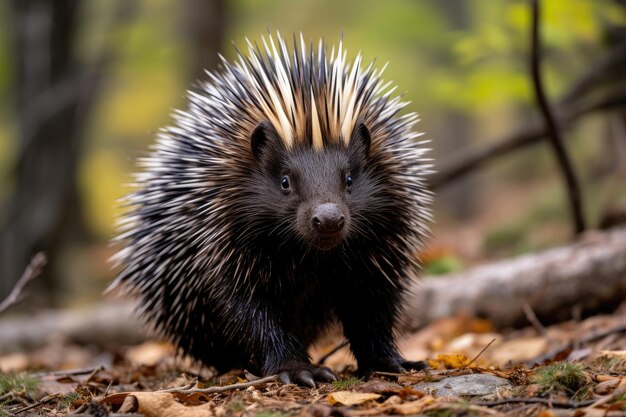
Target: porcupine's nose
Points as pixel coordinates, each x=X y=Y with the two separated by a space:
x=328 y=218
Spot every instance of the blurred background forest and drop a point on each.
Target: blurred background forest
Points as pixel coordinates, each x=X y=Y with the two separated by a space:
x=85 y=84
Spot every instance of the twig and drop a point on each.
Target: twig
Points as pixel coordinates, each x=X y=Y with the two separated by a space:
x=31 y=272
x=387 y=373
x=332 y=352
x=532 y=318
x=44 y=400
x=481 y=352
x=93 y=374
x=212 y=390
x=554 y=135
x=70 y=372
x=106 y=391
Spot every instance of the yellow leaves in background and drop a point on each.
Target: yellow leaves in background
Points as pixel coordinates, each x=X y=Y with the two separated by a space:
x=101 y=181
x=141 y=103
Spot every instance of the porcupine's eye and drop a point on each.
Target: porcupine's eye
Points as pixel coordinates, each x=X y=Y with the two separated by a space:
x=284 y=183
x=349 y=181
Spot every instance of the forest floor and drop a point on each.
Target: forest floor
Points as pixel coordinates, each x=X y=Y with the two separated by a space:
x=577 y=368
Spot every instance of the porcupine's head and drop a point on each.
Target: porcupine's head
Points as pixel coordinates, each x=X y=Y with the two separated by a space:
x=331 y=159
x=309 y=194
x=282 y=148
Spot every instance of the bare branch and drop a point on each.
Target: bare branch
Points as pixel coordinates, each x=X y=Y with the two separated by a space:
x=32 y=271
x=470 y=159
x=210 y=390
x=554 y=133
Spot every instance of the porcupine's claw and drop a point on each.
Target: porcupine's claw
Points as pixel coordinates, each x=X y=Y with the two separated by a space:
x=306 y=376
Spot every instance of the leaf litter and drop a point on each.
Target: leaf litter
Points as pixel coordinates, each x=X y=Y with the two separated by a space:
x=473 y=371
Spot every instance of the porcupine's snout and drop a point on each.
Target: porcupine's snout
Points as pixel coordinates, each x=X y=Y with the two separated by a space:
x=328 y=219
x=324 y=224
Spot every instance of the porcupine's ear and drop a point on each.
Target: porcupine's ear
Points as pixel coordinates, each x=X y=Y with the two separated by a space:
x=361 y=140
x=264 y=139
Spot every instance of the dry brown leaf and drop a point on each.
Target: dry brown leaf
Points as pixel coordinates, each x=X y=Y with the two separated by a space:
x=160 y=404
x=621 y=354
x=149 y=353
x=164 y=404
x=604 y=378
x=50 y=385
x=516 y=350
x=413 y=407
x=14 y=362
x=351 y=398
x=380 y=386
x=130 y=405
x=606 y=387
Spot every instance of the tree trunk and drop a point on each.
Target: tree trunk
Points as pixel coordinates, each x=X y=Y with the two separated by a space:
x=205 y=22
x=54 y=93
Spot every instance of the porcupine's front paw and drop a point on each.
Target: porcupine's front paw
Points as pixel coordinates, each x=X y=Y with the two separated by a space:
x=304 y=374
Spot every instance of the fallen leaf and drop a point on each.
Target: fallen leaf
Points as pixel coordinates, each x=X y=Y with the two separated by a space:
x=413 y=407
x=449 y=361
x=160 y=404
x=516 y=350
x=351 y=398
x=614 y=353
x=380 y=386
x=130 y=405
x=50 y=385
x=14 y=362
x=149 y=353
x=606 y=387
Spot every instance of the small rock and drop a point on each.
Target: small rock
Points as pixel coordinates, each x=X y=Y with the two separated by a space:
x=464 y=385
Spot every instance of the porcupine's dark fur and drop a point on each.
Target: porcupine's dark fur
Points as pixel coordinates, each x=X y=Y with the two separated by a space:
x=288 y=197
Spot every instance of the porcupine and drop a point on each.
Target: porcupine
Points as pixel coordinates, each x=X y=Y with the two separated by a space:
x=288 y=197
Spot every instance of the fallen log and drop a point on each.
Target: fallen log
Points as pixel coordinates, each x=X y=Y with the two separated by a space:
x=102 y=324
x=586 y=275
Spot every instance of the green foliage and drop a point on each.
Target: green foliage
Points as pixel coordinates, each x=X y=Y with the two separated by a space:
x=489 y=57
x=21 y=382
x=346 y=383
x=444 y=265
x=237 y=405
x=543 y=223
x=68 y=400
x=510 y=237
x=561 y=376
x=3 y=411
